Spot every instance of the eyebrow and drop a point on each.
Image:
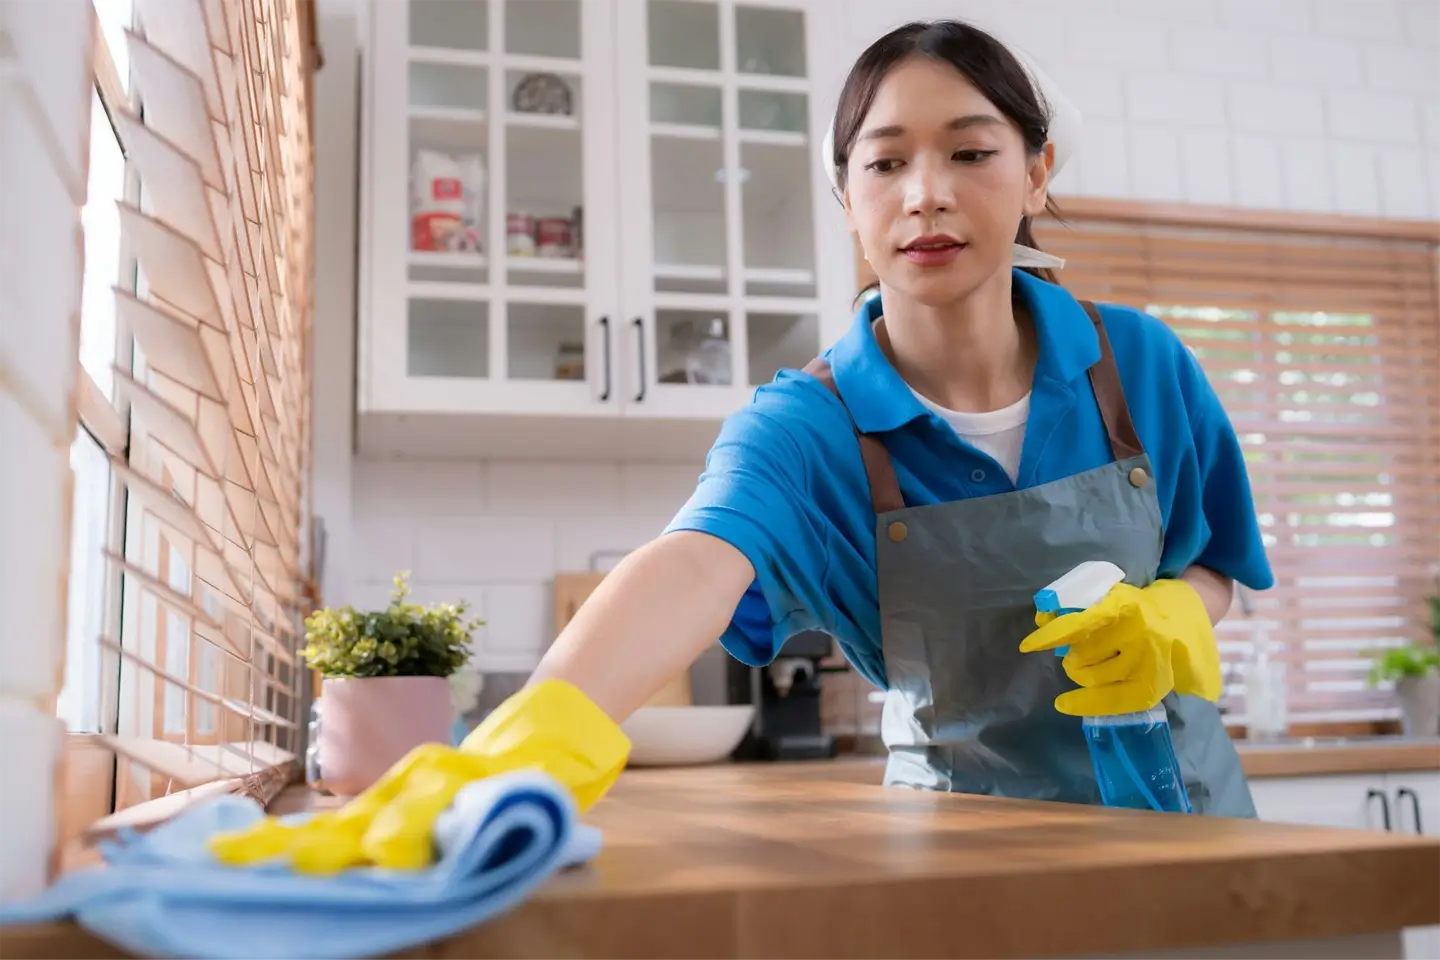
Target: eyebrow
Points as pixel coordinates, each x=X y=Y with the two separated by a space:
x=959 y=123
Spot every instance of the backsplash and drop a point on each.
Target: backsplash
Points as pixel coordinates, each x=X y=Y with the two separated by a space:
x=494 y=533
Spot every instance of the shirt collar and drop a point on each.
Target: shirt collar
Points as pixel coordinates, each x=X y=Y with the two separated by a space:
x=878 y=398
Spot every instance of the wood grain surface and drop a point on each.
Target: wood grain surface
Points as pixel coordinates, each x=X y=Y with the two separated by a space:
x=811 y=860
x=1321 y=759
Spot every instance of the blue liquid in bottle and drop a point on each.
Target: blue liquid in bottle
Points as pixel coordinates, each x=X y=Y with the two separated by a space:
x=1135 y=762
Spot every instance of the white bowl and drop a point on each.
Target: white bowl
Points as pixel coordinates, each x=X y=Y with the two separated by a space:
x=676 y=736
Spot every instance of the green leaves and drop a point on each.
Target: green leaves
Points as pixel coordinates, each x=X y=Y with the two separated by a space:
x=1415 y=660
x=403 y=640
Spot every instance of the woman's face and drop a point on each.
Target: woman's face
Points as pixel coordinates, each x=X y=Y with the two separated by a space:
x=937 y=183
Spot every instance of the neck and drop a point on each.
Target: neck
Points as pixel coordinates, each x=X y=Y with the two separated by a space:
x=973 y=355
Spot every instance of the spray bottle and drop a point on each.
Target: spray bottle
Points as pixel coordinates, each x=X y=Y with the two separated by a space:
x=1132 y=753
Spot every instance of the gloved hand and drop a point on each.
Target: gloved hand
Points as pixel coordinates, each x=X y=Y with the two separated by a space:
x=1132 y=648
x=551 y=726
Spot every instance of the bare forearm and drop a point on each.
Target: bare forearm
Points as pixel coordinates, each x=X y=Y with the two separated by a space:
x=1215 y=590
x=649 y=620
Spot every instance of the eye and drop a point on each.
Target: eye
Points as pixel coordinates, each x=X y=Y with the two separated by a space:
x=974 y=156
x=883 y=165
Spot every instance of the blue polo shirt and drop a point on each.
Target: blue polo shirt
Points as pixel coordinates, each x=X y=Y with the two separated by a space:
x=784 y=482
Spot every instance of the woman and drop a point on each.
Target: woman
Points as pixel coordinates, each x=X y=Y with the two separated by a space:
x=975 y=435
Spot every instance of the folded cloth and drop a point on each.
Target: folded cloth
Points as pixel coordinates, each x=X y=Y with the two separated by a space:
x=163 y=894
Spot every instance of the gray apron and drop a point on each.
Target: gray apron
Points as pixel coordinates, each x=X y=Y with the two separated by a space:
x=965 y=711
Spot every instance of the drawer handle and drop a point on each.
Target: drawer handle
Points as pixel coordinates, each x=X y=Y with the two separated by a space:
x=1414 y=805
x=605 y=342
x=640 y=344
x=1371 y=794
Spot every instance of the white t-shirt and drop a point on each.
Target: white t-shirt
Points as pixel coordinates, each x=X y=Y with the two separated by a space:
x=1000 y=433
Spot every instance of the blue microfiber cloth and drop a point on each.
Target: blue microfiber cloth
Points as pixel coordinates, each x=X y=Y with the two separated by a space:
x=162 y=894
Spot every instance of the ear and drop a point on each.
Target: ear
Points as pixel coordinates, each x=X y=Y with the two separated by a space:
x=1038 y=177
x=844 y=197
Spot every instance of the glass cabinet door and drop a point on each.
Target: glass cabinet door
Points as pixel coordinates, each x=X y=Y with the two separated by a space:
x=494 y=266
x=717 y=178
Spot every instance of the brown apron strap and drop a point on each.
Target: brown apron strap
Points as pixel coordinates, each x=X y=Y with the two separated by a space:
x=1110 y=395
x=879 y=470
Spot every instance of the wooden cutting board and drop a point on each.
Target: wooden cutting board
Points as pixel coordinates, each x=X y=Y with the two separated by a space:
x=571 y=591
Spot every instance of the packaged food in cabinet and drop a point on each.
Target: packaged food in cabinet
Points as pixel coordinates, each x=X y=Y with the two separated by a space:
x=553 y=234
x=449 y=197
x=520 y=234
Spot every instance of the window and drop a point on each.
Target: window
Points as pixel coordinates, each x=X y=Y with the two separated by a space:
x=1322 y=339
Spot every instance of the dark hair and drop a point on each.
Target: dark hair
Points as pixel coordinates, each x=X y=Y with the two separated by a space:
x=984 y=61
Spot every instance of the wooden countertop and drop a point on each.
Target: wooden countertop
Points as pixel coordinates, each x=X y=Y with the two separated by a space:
x=1320 y=757
x=792 y=860
x=814 y=859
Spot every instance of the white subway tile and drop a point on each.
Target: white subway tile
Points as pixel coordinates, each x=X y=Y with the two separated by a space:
x=1205 y=167
x=382 y=547
x=1375 y=117
x=1422 y=24
x=584 y=543
x=1278 y=110
x=1218 y=52
x=1398 y=69
x=1318 y=61
x=417 y=488
x=1098 y=90
x=1357 y=181
x=519 y=618
x=1196 y=12
x=1104 y=159
x=1126 y=43
x=485 y=550
x=1155 y=154
x=1432 y=167
x=553 y=489
x=1273 y=16
x=28 y=807
x=1403 y=188
x=1430 y=116
x=34 y=479
x=1355 y=19
x=657 y=489
x=1169 y=98
x=1257 y=173
x=1307 y=183
x=40 y=265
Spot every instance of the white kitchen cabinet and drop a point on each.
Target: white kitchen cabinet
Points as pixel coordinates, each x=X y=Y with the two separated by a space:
x=689 y=152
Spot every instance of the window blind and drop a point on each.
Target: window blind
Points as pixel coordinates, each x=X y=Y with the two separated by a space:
x=208 y=577
x=1322 y=339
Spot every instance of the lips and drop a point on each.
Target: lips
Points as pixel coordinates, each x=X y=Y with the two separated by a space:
x=932 y=251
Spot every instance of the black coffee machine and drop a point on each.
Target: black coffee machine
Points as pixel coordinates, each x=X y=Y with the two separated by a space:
x=787 y=698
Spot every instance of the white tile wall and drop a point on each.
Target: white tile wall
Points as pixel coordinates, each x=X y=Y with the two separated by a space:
x=1276 y=104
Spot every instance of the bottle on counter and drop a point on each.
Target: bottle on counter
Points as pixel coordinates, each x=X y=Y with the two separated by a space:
x=1132 y=753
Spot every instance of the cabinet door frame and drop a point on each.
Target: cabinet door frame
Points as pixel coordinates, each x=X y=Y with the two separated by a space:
x=385 y=197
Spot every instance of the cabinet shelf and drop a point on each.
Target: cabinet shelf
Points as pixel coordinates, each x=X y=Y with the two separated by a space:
x=544 y=265
x=448 y=115
x=684 y=131
x=543 y=121
x=435 y=258
x=775 y=138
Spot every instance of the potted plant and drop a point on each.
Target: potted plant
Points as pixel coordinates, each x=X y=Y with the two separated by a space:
x=1415 y=671
x=386 y=683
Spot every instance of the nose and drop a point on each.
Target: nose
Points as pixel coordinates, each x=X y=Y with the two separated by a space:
x=929 y=187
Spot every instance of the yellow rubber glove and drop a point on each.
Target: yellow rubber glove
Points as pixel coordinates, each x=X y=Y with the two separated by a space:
x=1132 y=648
x=550 y=726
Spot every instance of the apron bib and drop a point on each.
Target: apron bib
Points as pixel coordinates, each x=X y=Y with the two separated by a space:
x=965 y=711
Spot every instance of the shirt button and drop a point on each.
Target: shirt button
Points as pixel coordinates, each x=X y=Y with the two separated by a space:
x=1138 y=477
x=897 y=531
x=977 y=475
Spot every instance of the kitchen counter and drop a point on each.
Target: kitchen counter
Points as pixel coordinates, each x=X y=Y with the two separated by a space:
x=816 y=859
x=1323 y=756
x=790 y=860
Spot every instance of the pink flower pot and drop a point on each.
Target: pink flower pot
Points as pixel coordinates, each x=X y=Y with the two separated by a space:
x=369 y=723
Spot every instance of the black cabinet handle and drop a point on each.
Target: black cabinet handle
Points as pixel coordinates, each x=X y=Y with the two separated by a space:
x=640 y=343
x=605 y=341
x=1371 y=794
x=1414 y=805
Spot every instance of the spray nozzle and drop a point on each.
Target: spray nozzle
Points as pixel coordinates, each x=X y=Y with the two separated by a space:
x=1081 y=588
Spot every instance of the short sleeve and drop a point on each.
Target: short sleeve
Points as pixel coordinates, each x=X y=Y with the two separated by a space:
x=753 y=495
x=1234 y=547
